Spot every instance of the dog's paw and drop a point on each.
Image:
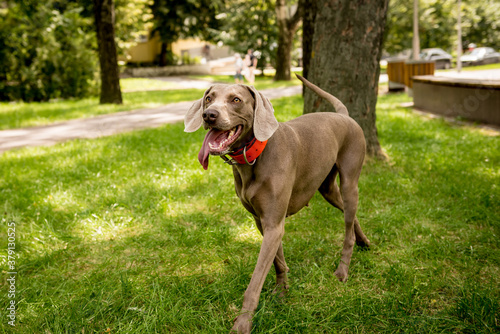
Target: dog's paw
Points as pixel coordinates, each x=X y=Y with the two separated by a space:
x=281 y=290
x=363 y=243
x=282 y=287
x=341 y=274
x=242 y=324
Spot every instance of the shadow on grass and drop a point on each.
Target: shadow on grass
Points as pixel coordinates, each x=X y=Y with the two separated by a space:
x=170 y=277
x=102 y=222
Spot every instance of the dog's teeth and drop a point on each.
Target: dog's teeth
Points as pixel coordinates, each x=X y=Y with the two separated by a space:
x=222 y=143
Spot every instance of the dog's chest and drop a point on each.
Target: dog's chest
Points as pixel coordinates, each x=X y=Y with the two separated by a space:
x=247 y=188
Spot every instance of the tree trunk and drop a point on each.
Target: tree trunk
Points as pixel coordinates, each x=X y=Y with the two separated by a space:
x=416 y=38
x=163 y=54
x=308 y=19
x=287 y=26
x=104 y=14
x=284 y=56
x=346 y=51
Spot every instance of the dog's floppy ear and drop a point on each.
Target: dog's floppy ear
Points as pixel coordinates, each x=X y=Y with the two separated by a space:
x=264 y=122
x=193 y=119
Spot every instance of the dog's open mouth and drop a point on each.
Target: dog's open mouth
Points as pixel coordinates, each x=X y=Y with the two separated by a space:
x=217 y=142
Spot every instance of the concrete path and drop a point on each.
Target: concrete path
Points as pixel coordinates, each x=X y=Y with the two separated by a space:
x=106 y=125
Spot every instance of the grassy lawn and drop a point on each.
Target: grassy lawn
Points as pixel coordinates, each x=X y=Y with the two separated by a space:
x=128 y=234
x=20 y=114
x=481 y=67
x=473 y=68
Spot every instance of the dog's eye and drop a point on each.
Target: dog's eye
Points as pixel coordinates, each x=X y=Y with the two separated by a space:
x=208 y=99
x=237 y=100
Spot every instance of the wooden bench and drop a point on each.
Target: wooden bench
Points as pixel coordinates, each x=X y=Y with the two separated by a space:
x=400 y=72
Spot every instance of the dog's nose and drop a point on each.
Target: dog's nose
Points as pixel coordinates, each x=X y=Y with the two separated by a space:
x=210 y=116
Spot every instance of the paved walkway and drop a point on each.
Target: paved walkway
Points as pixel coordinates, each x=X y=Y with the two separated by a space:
x=106 y=125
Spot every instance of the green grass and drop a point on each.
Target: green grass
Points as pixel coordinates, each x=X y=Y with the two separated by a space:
x=20 y=114
x=481 y=67
x=383 y=69
x=475 y=68
x=129 y=233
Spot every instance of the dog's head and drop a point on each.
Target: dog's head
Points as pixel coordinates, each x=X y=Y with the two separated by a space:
x=233 y=114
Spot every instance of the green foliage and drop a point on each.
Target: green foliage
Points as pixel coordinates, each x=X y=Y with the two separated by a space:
x=251 y=25
x=187 y=60
x=481 y=23
x=173 y=19
x=133 y=19
x=45 y=52
x=437 y=24
x=129 y=233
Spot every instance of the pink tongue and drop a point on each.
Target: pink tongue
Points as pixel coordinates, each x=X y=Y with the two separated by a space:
x=205 y=149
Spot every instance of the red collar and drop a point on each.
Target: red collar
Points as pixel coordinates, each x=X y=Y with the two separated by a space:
x=248 y=153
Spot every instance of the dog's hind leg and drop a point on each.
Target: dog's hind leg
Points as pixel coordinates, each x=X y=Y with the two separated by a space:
x=331 y=193
x=281 y=272
x=346 y=201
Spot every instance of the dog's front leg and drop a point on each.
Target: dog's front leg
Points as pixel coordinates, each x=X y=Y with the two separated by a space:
x=270 y=244
x=279 y=265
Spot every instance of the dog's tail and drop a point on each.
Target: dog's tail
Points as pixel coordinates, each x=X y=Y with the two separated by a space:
x=339 y=106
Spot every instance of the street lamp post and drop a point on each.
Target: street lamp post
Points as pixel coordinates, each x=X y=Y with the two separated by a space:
x=416 y=39
x=459 y=41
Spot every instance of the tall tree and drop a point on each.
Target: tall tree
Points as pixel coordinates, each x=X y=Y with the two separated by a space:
x=105 y=28
x=347 y=46
x=288 y=22
x=308 y=18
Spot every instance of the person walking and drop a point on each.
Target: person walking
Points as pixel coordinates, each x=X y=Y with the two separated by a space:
x=251 y=64
x=238 y=63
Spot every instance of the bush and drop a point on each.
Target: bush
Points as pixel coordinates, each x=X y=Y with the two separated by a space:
x=45 y=53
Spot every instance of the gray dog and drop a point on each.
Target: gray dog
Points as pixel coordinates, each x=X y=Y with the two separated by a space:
x=277 y=169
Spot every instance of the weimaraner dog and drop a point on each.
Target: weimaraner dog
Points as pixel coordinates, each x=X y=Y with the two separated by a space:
x=277 y=169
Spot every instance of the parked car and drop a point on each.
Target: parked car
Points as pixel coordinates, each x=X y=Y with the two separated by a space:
x=480 y=56
x=439 y=56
